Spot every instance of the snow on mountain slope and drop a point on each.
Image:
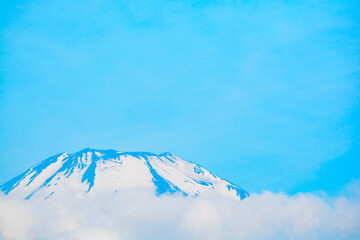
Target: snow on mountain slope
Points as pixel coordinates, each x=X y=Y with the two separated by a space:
x=90 y=171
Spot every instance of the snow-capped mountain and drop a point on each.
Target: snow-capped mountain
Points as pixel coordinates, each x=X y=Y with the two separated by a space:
x=90 y=171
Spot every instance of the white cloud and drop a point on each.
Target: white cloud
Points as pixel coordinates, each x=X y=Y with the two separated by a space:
x=135 y=214
x=15 y=219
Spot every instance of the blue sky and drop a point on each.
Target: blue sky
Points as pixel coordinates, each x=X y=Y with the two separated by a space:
x=263 y=93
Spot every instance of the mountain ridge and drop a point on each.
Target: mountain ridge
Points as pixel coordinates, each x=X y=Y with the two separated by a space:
x=91 y=170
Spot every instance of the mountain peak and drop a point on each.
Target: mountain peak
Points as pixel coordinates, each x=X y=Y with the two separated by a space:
x=92 y=170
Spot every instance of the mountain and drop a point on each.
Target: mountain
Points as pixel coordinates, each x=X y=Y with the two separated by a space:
x=90 y=171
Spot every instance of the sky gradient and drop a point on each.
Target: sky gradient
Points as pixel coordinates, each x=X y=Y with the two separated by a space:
x=263 y=93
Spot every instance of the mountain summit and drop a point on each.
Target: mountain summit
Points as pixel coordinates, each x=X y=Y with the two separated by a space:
x=90 y=171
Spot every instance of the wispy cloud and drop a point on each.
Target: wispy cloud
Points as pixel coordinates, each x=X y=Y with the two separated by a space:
x=135 y=214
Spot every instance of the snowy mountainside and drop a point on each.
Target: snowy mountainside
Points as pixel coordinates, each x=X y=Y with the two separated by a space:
x=90 y=171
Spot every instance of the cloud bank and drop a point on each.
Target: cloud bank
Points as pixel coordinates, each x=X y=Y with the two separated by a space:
x=137 y=214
